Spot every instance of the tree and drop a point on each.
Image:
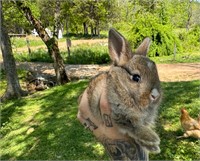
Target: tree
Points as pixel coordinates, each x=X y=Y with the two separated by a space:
x=66 y=15
x=13 y=89
x=46 y=10
x=57 y=24
x=93 y=14
x=189 y=14
x=15 y=21
x=195 y=13
x=51 y=43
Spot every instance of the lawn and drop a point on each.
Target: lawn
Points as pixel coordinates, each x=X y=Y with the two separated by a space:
x=43 y=126
x=96 y=53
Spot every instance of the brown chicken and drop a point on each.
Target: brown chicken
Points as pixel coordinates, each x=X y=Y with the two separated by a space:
x=187 y=122
x=191 y=133
x=189 y=125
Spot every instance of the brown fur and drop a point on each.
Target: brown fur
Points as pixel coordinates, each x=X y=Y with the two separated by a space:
x=133 y=104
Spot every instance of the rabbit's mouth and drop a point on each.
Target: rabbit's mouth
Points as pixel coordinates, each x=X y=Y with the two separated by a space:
x=155 y=95
x=149 y=98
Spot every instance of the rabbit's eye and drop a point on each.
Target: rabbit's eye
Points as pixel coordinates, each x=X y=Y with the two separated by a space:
x=136 y=77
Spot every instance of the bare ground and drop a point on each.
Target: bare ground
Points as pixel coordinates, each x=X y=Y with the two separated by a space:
x=167 y=72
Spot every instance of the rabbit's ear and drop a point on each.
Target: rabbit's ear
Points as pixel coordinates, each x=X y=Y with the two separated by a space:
x=144 y=47
x=119 y=49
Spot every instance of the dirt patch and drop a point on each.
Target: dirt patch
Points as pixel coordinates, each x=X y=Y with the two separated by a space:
x=167 y=72
x=179 y=72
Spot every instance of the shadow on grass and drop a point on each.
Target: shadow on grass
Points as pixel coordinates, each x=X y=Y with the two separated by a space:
x=52 y=132
x=12 y=108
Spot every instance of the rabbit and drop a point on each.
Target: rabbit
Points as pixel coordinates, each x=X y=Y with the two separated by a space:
x=132 y=89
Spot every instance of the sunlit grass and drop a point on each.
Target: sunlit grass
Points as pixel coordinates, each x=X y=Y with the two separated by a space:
x=98 y=54
x=176 y=96
x=43 y=126
x=188 y=57
x=18 y=42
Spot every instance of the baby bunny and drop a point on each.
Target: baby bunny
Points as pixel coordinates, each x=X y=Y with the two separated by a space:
x=132 y=89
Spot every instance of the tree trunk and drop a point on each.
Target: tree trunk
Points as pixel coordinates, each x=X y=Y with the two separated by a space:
x=67 y=24
x=92 y=31
x=76 y=30
x=56 y=19
x=97 y=28
x=95 y=31
x=85 y=28
x=189 y=14
x=13 y=87
x=51 y=43
x=59 y=67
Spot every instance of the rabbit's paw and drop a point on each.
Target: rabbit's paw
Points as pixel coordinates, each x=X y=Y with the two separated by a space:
x=152 y=148
x=148 y=139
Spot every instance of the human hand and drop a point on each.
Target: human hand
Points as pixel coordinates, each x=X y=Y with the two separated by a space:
x=119 y=146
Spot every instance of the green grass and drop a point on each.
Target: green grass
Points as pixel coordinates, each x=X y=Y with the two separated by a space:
x=176 y=96
x=2 y=82
x=80 y=54
x=18 y=42
x=88 y=54
x=189 y=57
x=39 y=55
x=98 y=54
x=43 y=126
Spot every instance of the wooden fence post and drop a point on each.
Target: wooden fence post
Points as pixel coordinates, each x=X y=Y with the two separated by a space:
x=28 y=45
x=68 y=41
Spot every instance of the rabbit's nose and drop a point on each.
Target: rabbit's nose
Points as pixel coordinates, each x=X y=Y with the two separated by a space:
x=154 y=94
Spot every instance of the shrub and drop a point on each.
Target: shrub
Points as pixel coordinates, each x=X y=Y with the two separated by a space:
x=39 y=55
x=147 y=25
x=190 y=40
x=196 y=32
x=81 y=54
x=84 y=54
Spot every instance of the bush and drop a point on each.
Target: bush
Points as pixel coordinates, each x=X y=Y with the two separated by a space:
x=39 y=55
x=196 y=33
x=84 y=54
x=162 y=36
x=190 y=40
x=81 y=54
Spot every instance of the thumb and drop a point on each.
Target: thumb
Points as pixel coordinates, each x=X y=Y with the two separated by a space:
x=105 y=109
